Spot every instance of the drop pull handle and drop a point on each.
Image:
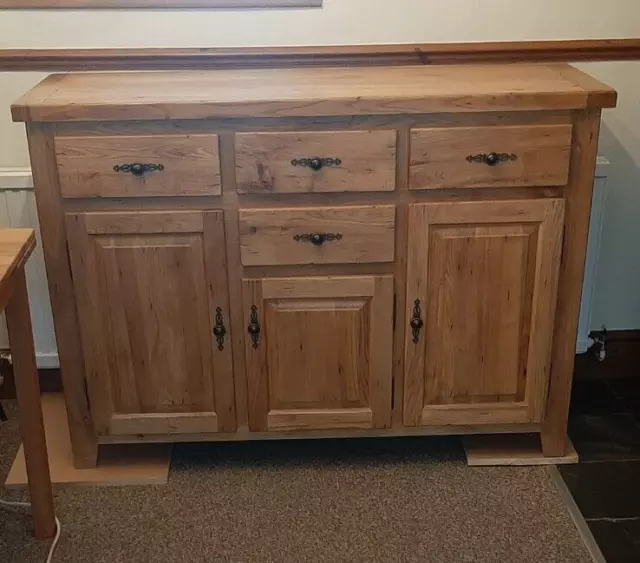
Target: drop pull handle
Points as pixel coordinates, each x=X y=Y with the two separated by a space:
x=416 y=322
x=254 y=327
x=219 y=330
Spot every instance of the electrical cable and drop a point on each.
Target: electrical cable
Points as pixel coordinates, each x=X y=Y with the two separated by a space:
x=56 y=539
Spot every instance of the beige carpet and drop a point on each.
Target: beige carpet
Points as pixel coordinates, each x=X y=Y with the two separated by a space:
x=397 y=500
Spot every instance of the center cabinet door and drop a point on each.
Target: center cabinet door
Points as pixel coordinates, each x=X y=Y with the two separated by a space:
x=319 y=352
x=481 y=292
x=152 y=297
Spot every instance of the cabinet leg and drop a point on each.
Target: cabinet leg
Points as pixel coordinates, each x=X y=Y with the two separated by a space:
x=554 y=444
x=30 y=409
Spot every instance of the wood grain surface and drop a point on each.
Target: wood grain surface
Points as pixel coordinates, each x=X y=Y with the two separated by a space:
x=308 y=92
x=52 y=60
x=367 y=162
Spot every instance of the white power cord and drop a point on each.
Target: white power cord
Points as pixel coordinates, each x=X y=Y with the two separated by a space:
x=56 y=539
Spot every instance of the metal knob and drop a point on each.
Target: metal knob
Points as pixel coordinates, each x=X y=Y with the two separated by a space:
x=315 y=164
x=416 y=324
x=317 y=239
x=219 y=331
x=492 y=159
x=253 y=329
x=137 y=169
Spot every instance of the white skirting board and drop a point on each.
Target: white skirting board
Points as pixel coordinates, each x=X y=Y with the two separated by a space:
x=18 y=209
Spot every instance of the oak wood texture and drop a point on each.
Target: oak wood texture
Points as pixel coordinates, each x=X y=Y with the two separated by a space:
x=15 y=247
x=52 y=60
x=319 y=348
x=576 y=232
x=308 y=92
x=484 y=450
x=158 y=4
x=439 y=156
x=62 y=293
x=363 y=234
x=323 y=360
x=86 y=165
x=485 y=274
x=148 y=285
x=142 y=464
x=264 y=161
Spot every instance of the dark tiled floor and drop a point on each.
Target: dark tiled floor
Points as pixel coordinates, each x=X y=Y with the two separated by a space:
x=604 y=425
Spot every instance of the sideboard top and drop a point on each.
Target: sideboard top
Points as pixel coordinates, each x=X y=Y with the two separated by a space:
x=293 y=92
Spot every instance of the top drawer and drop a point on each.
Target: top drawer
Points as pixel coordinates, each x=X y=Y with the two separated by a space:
x=318 y=161
x=145 y=165
x=494 y=156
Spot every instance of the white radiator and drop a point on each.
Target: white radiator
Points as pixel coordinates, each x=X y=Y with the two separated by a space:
x=598 y=202
x=18 y=209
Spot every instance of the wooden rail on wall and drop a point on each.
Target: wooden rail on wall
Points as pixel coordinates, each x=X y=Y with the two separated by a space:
x=247 y=57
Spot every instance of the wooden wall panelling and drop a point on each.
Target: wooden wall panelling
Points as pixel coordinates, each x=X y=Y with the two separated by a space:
x=50 y=60
x=576 y=229
x=61 y=290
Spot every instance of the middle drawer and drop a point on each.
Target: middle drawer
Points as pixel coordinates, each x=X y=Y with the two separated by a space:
x=317 y=235
x=316 y=161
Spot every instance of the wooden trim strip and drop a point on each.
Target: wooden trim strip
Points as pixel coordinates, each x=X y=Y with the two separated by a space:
x=157 y=4
x=346 y=55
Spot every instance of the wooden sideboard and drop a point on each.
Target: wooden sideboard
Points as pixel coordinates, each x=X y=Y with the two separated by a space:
x=271 y=253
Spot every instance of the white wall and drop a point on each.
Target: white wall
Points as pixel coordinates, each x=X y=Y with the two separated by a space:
x=387 y=21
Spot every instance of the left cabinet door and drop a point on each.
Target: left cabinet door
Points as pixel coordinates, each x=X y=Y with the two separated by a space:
x=151 y=290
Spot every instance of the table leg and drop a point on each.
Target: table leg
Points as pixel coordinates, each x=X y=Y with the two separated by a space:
x=30 y=408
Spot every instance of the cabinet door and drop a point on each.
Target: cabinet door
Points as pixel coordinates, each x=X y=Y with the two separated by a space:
x=481 y=292
x=151 y=287
x=319 y=352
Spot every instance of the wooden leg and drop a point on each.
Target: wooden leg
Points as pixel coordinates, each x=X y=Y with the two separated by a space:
x=30 y=409
x=578 y=206
x=62 y=293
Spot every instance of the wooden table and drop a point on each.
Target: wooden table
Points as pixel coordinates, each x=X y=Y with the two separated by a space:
x=16 y=246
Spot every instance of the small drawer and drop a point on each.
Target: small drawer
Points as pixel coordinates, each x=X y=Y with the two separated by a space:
x=135 y=166
x=317 y=235
x=308 y=162
x=493 y=157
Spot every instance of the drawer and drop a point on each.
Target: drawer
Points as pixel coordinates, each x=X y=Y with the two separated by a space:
x=317 y=235
x=176 y=165
x=307 y=162
x=475 y=157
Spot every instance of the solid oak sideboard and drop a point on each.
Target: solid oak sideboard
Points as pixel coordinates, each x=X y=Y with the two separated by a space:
x=270 y=253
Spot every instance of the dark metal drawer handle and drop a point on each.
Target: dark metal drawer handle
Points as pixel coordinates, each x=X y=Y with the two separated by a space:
x=492 y=158
x=254 y=327
x=138 y=169
x=416 y=322
x=219 y=330
x=317 y=239
x=316 y=162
